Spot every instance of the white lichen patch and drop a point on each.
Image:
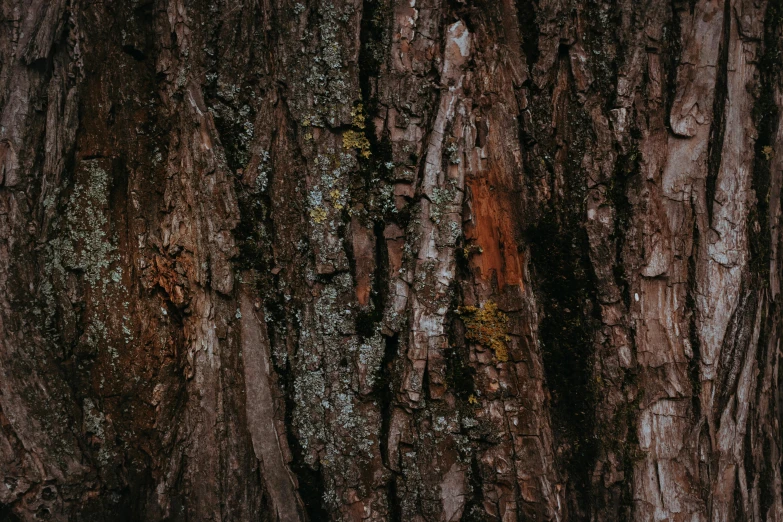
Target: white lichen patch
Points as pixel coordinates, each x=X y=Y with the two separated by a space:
x=371 y=353
x=85 y=253
x=94 y=422
x=85 y=244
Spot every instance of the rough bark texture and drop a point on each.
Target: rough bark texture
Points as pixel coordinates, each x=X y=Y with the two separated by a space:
x=389 y=260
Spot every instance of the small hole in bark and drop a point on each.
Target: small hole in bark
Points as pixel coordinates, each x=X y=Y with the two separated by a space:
x=47 y=494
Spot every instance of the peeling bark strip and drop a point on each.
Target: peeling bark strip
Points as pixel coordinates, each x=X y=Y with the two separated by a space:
x=390 y=260
x=269 y=447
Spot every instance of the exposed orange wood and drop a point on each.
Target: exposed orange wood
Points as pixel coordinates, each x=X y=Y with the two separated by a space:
x=491 y=229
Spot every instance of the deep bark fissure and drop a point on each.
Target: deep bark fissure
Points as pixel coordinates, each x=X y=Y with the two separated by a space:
x=526 y=15
x=563 y=277
x=693 y=331
x=718 y=128
x=672 y=50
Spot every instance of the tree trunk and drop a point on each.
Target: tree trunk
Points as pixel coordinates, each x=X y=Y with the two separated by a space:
x=390 y=260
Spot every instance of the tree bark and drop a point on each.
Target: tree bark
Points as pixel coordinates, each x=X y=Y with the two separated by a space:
x=390 y=260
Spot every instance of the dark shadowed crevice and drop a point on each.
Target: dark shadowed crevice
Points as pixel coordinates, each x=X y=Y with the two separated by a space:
x=607 y=48
x=6 y=515
x=311 y=483
x=672 y=52
x=626 y=177
x=718 y=128
x=617 y=502
x=562 y=272
x=395 y=507
x=563 y=282
x=474 y=507
x=374 y=29
x=384 y=395
x=766 y=114
x=136 y=54
x=766 y=474
x=528 y=29
x=460 y=375
x=694 y=373
x=736 y=346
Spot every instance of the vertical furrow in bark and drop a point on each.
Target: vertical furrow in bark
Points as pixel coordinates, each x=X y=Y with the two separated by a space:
x=615 y=175
x=763 y=455
x=613 y=239
x=605 y=178
x=559 y=160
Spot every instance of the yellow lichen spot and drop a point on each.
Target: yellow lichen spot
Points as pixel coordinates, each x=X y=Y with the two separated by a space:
x=308 y=136
x=487 y=327
x=472 y=249
x=472 y=400
x=357 y=113
x=767 y=152
x=357 y=140
x=318 y=214
x=335 y=195
x=306 y=122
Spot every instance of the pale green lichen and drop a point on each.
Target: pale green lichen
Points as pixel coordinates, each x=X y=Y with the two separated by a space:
x=94 y=422
x=371 y=353
x=453 y=151
x=85 y=244
x=441 y=200
x=322 y=68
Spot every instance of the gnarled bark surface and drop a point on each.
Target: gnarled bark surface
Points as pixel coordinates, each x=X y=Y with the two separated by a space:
x=390 y=260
